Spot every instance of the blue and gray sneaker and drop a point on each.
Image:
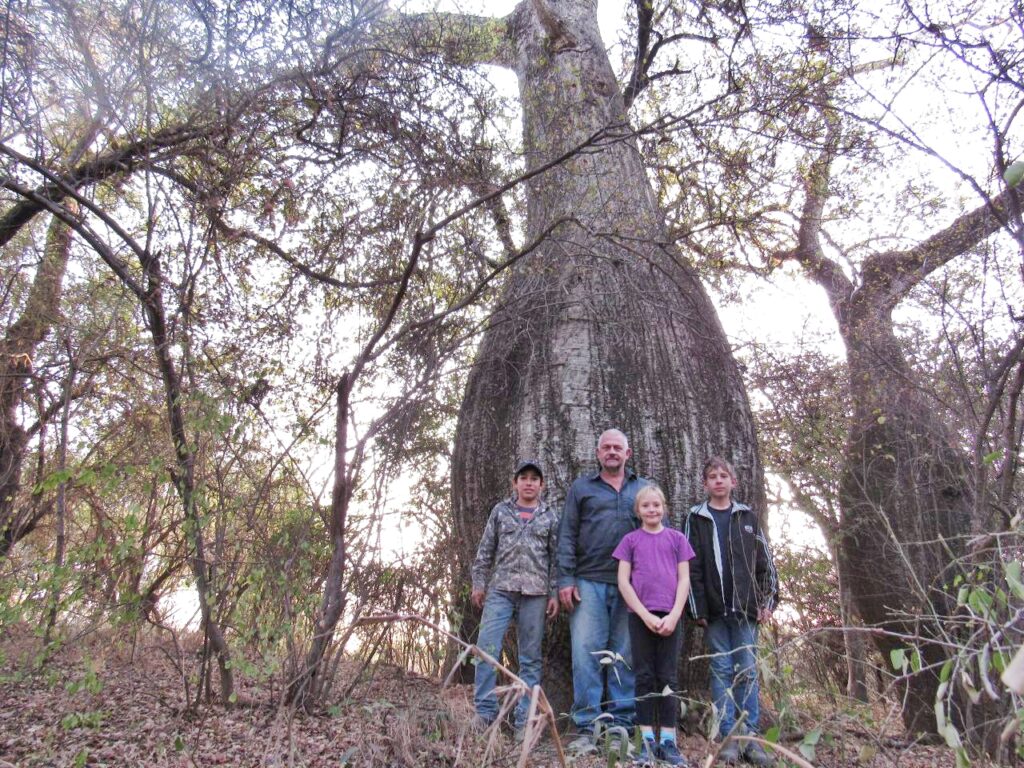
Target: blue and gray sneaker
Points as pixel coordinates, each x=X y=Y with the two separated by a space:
x=669 y=753
x=648 y=754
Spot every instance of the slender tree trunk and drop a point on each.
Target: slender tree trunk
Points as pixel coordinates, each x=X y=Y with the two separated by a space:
x=41 y=312
x=603 y=325
x=854 y=640
x=184 y=475
x=61 y=505
x=307 y=683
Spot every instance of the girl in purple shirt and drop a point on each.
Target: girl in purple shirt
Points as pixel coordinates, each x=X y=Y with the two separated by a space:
x=654 y=579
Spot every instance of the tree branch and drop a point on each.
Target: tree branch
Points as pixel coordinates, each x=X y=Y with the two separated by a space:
x=459 y=39
x=115 y=160
x=890 y=276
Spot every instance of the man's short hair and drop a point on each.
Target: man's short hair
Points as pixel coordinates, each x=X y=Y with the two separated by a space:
x=616 y=431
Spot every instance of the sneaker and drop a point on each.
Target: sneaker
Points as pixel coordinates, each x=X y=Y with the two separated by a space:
x=648 y=754
x=481 y=724
x=730 y=753
x=582 y=744
x=754 y=754
x=669 y=753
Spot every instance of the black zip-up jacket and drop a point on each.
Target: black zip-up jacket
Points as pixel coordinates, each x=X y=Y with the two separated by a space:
x=754 y=579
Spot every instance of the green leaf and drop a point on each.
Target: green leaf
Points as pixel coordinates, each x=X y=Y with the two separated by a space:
x=951 y=735
x=179 y=743
x=980 y=601
x=946 y=671
x=773 y=734
x=1014 y=173
x=1013 y=578
x=813 y=737
x=999 y=662
x=915 y=661
x=962 y=594
x=898 y=657
x=867 y=753
x=991 y=458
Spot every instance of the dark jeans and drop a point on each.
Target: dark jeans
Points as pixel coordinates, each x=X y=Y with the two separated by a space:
x=655 y=661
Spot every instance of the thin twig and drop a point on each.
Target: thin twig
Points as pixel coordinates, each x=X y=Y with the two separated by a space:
x=538 y=699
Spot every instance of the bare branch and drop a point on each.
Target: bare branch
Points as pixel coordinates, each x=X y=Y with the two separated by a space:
x=888 y=277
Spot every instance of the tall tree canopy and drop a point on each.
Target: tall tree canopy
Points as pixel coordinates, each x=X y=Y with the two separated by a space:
x=272 y=270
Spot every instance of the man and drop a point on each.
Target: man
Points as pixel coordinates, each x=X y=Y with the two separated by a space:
x=598 y=513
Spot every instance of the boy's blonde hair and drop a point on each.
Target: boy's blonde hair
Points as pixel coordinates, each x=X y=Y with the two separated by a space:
x=717 y=462
x=644 y=492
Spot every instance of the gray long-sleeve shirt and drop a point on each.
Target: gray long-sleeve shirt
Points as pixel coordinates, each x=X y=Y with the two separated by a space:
x=594 y=520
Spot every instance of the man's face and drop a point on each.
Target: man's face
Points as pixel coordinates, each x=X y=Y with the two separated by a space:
x=719 y=484
x=613 y=451
x=528 y=485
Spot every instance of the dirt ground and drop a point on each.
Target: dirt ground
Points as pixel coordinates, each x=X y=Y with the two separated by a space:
x=101 y=703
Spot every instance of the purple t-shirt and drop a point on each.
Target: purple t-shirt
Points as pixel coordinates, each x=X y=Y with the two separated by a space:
x=655 y=558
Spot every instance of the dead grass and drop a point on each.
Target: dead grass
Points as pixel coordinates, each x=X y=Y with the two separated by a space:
x=107 y=703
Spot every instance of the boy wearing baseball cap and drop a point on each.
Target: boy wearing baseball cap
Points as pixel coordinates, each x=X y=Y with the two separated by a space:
x=514 y=580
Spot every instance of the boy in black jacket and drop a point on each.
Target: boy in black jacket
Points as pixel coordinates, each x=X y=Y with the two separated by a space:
x=733 y=588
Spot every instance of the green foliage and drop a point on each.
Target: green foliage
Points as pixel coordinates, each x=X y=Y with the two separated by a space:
x=809 y=743
x=89 y=682
x=74 y=720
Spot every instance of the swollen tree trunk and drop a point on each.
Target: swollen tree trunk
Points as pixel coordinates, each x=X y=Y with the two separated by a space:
x=907 y=491
x=604 y=325
x=906 y=499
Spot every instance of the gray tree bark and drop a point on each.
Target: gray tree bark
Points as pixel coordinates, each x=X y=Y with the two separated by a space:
x=17 y=348
x=603 y=325
x=907 y=493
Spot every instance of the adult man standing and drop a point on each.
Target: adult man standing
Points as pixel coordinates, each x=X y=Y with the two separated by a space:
x=598 y=513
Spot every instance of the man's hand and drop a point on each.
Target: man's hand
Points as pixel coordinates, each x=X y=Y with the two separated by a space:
x=701 y=623
x=552 y=610
x=568 y=597
x=476 y=597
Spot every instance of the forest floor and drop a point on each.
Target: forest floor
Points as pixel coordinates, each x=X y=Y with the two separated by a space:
x=102 y=703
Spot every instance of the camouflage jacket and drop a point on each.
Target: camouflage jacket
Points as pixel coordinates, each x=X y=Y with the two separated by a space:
x=516 y=555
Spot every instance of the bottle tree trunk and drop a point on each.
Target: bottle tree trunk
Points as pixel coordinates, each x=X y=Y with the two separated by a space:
x=906 y=499
x=604 y=325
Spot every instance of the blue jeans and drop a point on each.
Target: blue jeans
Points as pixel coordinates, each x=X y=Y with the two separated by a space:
x=733 y=644
x=599 y=623
x=499 y=610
